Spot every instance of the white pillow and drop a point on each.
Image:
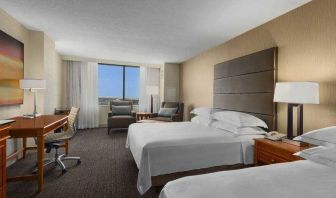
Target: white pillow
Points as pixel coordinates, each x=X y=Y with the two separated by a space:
x=222 y=125
x=251 y=131
x=206 y=121
x=203 y=111
x=322 y=137
x=320 y=154
x=236 y=129
x=240 y=119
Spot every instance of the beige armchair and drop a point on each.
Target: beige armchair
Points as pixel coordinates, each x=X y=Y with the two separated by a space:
x=119 y=120
x=178 y=117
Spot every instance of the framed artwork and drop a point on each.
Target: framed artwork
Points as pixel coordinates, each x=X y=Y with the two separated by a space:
x=11 y=70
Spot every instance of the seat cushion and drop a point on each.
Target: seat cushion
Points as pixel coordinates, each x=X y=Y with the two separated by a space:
x=56 y=137
x=120 y=121
x=162 y=119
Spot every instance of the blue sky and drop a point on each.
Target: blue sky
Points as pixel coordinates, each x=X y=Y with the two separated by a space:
x=110 y=81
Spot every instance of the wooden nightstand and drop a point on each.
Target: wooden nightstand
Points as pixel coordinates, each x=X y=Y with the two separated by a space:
x=270 y=152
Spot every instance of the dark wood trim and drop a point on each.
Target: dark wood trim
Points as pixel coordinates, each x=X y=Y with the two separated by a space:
x=161 y=180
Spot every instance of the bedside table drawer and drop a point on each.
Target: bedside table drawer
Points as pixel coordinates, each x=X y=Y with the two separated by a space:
x=270 y=152
x=269 y=158
x=278 y=151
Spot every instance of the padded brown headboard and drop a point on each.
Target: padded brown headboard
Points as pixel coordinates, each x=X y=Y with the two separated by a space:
x=246 y=84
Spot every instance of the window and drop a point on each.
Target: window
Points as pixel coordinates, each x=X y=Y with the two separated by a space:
x=132 y=79
x=118 y=82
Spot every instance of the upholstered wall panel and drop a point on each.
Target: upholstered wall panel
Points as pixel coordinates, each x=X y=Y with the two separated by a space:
x=256 y=62
x=246 y=84
x=250 y=103
x=250 y=83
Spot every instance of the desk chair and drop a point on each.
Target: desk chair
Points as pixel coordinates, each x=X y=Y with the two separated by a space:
x=55 y=140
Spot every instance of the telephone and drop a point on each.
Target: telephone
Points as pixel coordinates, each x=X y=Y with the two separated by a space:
x=274 y=135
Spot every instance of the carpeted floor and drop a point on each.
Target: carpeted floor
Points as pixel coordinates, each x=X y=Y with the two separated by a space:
x=107 y=170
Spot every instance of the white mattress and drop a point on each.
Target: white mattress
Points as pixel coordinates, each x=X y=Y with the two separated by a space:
x=300 y=179
x=163 y=148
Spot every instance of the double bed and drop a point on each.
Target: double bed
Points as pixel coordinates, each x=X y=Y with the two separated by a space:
x=164 y=148
x=300 y=179
x=167 y=151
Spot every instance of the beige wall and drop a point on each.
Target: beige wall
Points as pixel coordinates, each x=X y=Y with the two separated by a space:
x=307 y=52
x=39 y=56
x=171 y=86
x=53 y=72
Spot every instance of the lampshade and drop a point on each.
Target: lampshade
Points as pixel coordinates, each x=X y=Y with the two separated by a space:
x=152 y=90
x=32 y=84
x=297 y=92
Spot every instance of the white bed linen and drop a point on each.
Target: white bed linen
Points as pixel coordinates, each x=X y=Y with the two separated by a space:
x=163 y=148
x=299 y=179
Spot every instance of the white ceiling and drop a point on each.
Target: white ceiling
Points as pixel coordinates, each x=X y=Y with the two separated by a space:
x=145 y=31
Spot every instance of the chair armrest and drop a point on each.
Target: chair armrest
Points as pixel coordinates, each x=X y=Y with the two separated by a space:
x=110 y=114
x=176 y=118
x=133 y=114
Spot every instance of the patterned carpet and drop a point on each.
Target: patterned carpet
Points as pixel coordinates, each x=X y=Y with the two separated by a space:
x=107 y=170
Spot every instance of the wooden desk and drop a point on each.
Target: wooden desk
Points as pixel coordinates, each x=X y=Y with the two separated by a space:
x=37 y=127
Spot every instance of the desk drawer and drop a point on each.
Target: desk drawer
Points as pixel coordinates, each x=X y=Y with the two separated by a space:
x=2 y=164
x=4 y=133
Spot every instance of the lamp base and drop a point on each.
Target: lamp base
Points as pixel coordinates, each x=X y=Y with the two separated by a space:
x=31 y=115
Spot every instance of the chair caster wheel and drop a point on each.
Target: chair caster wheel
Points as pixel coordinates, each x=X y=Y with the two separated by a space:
x=79 y=162
x=64 y=171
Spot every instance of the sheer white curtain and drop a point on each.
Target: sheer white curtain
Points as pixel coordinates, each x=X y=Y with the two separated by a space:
x=82 y=85
x=149 y=77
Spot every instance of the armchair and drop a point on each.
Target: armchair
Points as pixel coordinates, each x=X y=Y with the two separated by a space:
x=118 y=119
x=178 y=117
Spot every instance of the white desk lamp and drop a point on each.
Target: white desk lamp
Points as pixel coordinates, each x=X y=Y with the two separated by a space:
x=33 y=85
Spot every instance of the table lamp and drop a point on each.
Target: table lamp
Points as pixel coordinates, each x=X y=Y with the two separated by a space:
x=33 y=85
x=152 y=90
x=295 y=94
